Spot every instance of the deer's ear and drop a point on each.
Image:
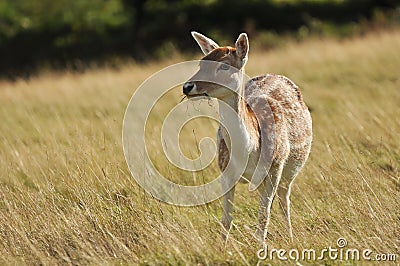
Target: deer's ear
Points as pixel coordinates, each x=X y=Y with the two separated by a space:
x=206 y=44
x=242 y=46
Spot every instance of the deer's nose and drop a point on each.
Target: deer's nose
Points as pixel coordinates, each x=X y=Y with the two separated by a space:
x=187 y=87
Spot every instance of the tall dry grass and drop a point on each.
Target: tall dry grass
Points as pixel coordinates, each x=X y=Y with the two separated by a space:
x=67 y=197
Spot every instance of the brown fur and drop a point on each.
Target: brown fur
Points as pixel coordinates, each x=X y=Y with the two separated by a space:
x=292 y=128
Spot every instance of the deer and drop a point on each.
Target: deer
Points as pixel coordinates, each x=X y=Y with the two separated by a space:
x=292 y=127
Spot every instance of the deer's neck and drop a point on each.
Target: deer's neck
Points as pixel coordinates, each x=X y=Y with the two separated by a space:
x=245 y=118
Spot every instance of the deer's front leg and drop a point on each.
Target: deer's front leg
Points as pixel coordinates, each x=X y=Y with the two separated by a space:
x=223 y=159
x=228 y=207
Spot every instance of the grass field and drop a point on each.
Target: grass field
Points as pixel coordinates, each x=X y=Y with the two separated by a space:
x=67 y=197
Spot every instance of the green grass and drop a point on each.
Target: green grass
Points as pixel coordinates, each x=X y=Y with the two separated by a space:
x=67 y=197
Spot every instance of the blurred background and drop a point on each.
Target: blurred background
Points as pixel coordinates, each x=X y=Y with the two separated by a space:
x=68 y=69
x=75 y=34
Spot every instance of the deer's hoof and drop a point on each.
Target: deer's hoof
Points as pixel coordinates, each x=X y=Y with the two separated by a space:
x=226 y=227
x=260 y=236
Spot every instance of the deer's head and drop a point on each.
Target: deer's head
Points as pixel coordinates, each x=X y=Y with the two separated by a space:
x=220 y=74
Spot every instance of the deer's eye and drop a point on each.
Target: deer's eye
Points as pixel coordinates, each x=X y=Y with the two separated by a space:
x=224 y=67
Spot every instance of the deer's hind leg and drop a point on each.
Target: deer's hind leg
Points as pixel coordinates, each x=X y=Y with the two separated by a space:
x=267 y=191
x=283 y=193
x=292 y=167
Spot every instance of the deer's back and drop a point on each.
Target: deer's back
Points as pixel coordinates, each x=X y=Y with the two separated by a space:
x=292 y=118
